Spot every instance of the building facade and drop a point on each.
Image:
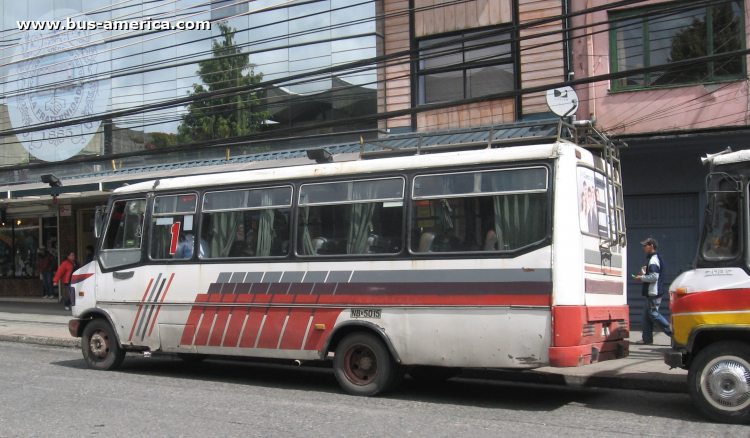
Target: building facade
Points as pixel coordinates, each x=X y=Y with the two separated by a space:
x=99 y=108
x=669 y=117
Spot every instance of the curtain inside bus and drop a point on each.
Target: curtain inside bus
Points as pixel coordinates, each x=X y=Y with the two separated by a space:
x=266 y=232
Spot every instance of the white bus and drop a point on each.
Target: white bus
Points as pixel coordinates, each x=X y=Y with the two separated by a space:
x=507 y=257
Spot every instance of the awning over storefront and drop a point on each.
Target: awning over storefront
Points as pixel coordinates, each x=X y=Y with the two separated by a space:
x=100 y=184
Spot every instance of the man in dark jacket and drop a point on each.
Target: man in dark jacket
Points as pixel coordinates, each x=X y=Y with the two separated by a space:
x=652 y=277
x=47 y=263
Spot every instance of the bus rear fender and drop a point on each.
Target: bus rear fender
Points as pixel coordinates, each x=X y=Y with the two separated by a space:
x=348 y=327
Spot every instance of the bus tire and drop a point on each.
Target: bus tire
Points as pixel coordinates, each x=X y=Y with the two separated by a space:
x=101 y=350
x=363 y=365
x=719 y=382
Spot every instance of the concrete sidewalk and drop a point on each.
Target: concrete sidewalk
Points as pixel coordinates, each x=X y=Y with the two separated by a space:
x=644 y=369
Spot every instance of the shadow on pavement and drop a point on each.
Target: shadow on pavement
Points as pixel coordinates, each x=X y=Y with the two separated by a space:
x=517 y=396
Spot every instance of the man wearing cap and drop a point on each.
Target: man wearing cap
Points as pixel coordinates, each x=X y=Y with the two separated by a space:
x=46 y=263
x=652 y=276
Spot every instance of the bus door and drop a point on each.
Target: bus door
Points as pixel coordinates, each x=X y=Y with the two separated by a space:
x=121 y=253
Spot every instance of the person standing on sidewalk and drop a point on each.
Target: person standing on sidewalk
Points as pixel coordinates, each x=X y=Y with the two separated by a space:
x=64 y=274
x=652 y=277
x=46 y=263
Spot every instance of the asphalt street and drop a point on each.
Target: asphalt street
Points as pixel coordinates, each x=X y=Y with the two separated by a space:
x=48 y=391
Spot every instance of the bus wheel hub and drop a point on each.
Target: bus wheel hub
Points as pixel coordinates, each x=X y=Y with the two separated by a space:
x=728 y=383
x=98 y=344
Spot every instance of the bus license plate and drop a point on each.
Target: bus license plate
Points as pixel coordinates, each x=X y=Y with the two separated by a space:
x=366 y=313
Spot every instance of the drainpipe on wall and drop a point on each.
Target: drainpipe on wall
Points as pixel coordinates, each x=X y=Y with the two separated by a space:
x=591 y=63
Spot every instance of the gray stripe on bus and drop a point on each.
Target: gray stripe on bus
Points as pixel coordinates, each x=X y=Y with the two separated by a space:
x=338 y=276
x=150 y=297
x=253 y=277
x=237 y=277
x=292 y=277
x=453 y=276
x=272 y=277
x=595 y=258
x=315 y=277
x=224 y=277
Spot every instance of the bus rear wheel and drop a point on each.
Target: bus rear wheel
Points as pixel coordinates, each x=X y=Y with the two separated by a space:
x=363 y=366
x=100 y=347
x=719 y=382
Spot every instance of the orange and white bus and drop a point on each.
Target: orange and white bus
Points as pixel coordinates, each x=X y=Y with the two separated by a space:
x=506 y=257
x=711 y=302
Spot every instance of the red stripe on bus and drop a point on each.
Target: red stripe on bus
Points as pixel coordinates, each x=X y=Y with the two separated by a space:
x=316 y=339
x=724 y=300
x=254 y=319
x=221 y=322
x=305 y=299
x=79 y=278
x=603 y=270
x=271 y=331
x=140 y=308
x=237 y=320
x=294 y=333
x=209 y=314
x=195 y=315
x=159 y=308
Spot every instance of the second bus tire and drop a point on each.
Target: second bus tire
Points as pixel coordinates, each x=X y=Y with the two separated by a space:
x=363 y=365
x=719 y=382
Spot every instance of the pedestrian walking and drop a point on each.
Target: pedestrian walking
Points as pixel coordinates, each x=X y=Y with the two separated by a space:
x=46 y=263
x=652 y=276
x=63 y=276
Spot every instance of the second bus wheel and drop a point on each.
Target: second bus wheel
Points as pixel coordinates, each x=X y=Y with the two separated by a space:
x=719 y=382
x=101 y=350
x=363 y=365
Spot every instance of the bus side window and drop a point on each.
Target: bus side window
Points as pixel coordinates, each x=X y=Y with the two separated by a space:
x=352 y=217
x=122 y=240
x=499 y=210
x=246 y=223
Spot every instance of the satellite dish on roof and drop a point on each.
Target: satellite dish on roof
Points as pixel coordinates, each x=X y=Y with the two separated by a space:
x=562 y=101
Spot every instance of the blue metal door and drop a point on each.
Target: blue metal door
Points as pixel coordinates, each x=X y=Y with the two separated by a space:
x=673 y=220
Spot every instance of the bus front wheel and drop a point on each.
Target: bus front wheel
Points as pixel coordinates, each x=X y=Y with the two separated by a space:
x=100 y=347
x=719 y=382
x=363 y=365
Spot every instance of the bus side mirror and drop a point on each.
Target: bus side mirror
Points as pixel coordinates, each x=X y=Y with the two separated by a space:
x=98 y=222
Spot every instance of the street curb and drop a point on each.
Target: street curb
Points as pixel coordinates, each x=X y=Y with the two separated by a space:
x=676 y=384
x=41 y=340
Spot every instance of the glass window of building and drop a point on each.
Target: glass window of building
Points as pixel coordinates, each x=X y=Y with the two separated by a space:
x=466 y=65
x=647 y=37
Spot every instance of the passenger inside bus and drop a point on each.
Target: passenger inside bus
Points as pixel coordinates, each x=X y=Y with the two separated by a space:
x=186 y=245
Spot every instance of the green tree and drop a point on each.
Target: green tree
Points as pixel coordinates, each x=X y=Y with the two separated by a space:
x=227 y=116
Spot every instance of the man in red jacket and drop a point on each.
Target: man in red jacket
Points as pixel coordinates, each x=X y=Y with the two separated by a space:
x=64 y=273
